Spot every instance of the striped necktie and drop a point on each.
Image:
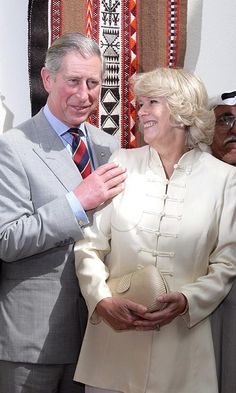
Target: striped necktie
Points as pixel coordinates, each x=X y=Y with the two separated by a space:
x=80 y=152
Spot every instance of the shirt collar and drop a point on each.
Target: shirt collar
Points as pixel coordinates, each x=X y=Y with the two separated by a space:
x=59 y=127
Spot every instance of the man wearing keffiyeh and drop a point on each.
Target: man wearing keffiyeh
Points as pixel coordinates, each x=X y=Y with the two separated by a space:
x=224 y=317
x=224 y=142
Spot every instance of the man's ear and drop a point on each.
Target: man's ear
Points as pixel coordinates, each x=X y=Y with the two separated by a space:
x=46 y=78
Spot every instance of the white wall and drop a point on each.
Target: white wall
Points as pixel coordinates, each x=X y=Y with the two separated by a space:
x=210 y=52
x=211 y=43
x=14 y=85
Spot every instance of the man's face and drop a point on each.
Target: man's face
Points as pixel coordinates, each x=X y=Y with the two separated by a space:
x=224 y=141
x=73 y=93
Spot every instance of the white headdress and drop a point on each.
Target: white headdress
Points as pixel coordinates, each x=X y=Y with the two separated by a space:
x=223 y=99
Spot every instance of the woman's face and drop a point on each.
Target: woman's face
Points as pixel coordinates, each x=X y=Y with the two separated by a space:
x=154 y=116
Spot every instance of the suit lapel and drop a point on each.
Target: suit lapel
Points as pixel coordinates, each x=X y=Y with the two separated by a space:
x=48 y=146
x=101 y=154
x=53 y=153
x=63 y=167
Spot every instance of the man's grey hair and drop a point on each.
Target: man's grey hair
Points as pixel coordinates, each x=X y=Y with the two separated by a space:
x=71 y=42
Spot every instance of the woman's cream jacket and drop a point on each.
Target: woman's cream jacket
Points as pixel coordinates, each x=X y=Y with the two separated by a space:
x=187 y=227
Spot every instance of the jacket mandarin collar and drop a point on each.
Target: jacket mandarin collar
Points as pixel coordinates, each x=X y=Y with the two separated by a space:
x=185 y=163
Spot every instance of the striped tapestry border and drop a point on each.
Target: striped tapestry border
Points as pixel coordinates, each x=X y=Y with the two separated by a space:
x=37 y=46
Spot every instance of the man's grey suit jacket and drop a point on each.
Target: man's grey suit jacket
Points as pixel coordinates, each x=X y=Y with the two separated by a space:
x=42 y=314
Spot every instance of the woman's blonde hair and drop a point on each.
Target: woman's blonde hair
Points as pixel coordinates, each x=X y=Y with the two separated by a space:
x=186 y=98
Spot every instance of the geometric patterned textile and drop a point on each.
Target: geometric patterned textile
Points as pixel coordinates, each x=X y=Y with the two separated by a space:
x=133 y=35
x=113 y=25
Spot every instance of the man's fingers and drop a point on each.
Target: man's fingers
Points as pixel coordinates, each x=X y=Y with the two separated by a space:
x=113 y=175
x=109 y=171
x=112 y=192
x=103 y=184
x=116 y=181
x=106 y=167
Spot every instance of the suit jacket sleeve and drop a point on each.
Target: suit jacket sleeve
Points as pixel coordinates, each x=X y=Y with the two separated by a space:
x=90 y=254
x=25 y=229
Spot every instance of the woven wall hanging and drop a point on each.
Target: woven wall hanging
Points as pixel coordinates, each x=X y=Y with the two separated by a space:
x=134 y=35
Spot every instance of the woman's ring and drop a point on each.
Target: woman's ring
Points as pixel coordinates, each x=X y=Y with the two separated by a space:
x=158 y=328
